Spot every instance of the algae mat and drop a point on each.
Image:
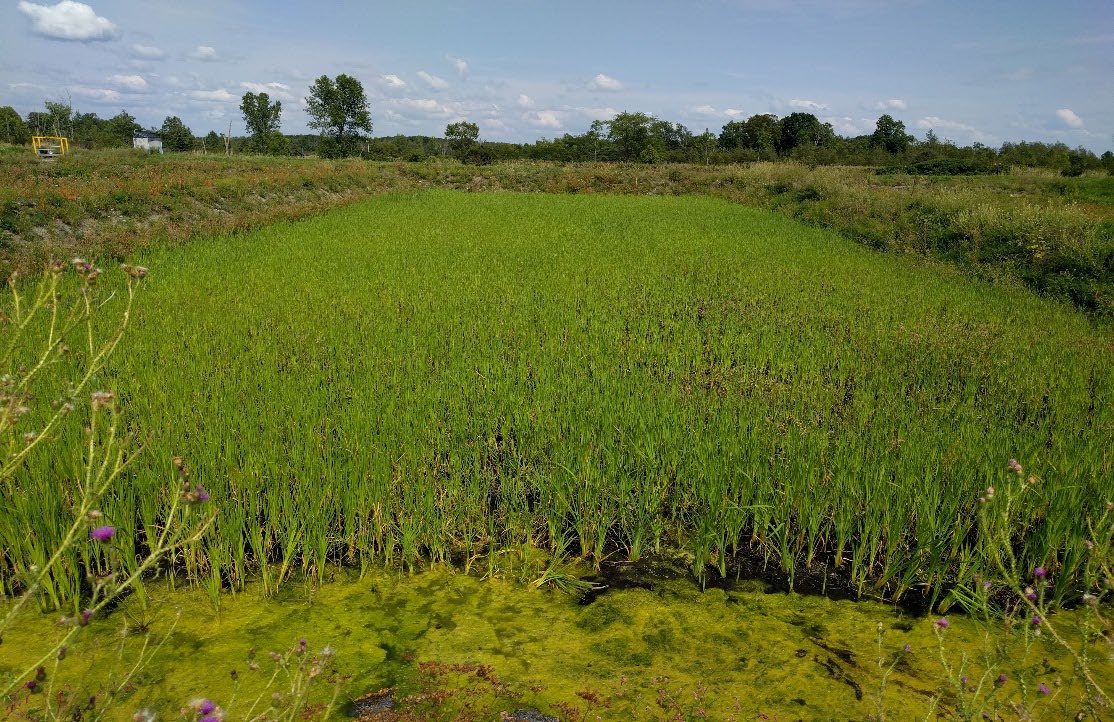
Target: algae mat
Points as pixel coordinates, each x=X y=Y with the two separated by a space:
x=629 y=654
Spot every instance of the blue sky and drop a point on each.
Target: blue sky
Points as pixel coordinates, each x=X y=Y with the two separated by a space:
x=979 y=70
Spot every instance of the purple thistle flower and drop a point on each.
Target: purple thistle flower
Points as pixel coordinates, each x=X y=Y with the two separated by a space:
x=963 y=679
x=906 y=648
x=30 y=685
x=1043 y=689
x=83 y=620
x=209 y=718
x=943 y=623
x=302 y=642
x=202 y=495
x=987 y=585
x=1002 y=679
x=1014 y=466
x=1036 y=621
x=102 y=533
x=1040 y=573
x=206 y=707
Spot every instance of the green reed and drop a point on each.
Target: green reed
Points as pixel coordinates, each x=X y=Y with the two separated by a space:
x=441 y=376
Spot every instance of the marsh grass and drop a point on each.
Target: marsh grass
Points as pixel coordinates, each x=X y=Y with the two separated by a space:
x=1055 y=235
x=445 y=377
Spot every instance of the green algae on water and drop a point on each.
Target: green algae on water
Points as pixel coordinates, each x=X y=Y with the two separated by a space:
x=629 y=654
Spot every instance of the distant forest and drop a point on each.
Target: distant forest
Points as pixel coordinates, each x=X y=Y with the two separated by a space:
x=628 y=137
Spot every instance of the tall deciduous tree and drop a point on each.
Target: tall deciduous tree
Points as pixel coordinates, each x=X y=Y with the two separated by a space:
x=175 y=135
x=262 y=118
x=890 y=135
x=462 y=138
x=12 y=128
x=339 y=110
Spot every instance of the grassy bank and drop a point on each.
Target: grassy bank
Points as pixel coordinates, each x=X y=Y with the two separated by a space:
x=1056 y=235
x=444 y=376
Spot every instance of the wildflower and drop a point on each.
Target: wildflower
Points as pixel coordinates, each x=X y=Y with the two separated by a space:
x=943 y=623
x=83 y=620
x=1002 y=679
x=30 y=685
x=1036 y=621
x=210 y=718
x=906 y=648
x=302 y=642
x=986 y=586
x=206 y=706
x=1043 y=689
x=989 y=492
x=143 y=715
x=29 y=437
x=101 y=399
x=1015 y=467
x=1030 y=594
x=1089 y=544
x=1040 y=573
x=61 y=653
x=963 y=679
x=102 y=533
x=982 y=499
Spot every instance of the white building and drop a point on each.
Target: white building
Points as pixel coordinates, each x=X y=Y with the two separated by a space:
x=149 y=142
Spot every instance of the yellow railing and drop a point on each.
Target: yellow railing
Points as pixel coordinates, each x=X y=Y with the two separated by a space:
x=56 y=144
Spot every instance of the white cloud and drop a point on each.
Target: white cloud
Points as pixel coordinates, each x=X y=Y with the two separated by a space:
x=891 y=104
x=605 y=82
x=847 y=126
x=704 y=110
x=598 y=113
x=131 y=82
x=392 y=81
x=806 y=104
x=102 y=94
x=204 y=52
x=461 y=66
x=147 y=52
x=543 y=119
x=425 y=106
x=215 y=96
x=432 y=80
x=1069 y=118
x=276 y=91
x=525 y=101
x=68 y=20
x=733 y=113
x=935 y=122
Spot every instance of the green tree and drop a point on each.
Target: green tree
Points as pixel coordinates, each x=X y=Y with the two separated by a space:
x=630 y=133
x=462 y=138
x=122 y=128
x=1107 y=160
x=12 y=128
x=262 y=118
x=339 y=110
x=890 y=135
x=703 y=146
x=802 y=130
x=759 y=133
x=175 y=135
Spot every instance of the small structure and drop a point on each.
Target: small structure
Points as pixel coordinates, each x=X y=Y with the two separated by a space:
x=49 y=147
x=150 y=142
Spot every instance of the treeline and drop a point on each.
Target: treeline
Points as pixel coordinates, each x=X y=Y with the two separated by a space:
x=628 y=137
